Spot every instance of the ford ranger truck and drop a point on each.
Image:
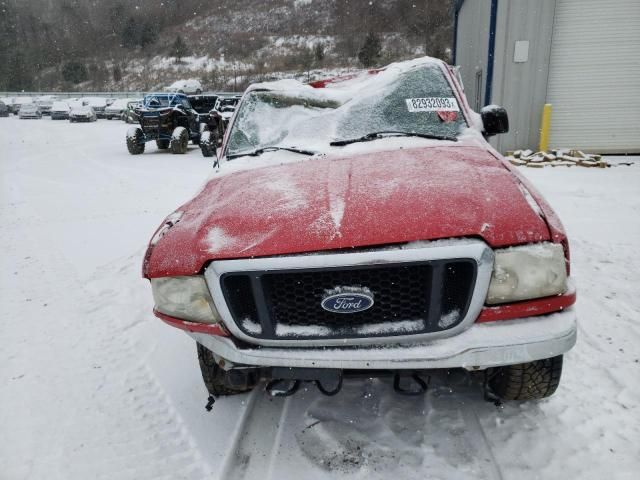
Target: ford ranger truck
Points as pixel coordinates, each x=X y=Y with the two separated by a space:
x=363 y=225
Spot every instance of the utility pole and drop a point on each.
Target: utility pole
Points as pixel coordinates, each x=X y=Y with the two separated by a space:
x=426 y=27
x=235 y=77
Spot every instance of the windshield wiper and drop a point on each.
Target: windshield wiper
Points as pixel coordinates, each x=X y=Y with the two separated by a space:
x=375 y=135
x=260 y=151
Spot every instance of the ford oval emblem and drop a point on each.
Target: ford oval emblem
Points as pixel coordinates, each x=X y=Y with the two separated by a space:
x=348 y=300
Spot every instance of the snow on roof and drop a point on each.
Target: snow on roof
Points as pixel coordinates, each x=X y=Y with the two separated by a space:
x=183 y=83
x=80 y=108
x=96 y=101
x=350 y=84
x=119 y=103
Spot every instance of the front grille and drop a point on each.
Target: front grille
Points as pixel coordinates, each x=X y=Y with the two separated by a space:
x=409 y=298
x=151 y=121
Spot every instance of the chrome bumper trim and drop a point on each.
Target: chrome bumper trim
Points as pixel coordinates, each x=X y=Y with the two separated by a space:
x=484 y=345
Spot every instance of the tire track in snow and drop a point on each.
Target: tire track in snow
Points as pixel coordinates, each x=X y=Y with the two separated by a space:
x=486 y=452
x=152 y=414
x=365 y=432
x=123 y=424
x=253 y=440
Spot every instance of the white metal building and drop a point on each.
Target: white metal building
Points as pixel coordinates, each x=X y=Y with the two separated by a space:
x=582 y=56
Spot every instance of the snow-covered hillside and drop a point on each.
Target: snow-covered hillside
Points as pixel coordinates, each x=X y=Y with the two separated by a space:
x=93 y=386
x=229 y=43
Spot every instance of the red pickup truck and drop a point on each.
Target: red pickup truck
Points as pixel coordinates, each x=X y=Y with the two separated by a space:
x=363 y=225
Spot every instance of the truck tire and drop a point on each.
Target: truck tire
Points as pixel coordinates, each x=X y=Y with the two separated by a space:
x=526 y=381
x=222 y=382
x=135 y=141
x=179 y=140
x=208 y=143
x=162 y=144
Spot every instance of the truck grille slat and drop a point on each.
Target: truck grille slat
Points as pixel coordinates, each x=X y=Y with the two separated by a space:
x=409 y=298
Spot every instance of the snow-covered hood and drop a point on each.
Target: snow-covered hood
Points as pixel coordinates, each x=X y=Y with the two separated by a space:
x=115 y=107
x=329 y=203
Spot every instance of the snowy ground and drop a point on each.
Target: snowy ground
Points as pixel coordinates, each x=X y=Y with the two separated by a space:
x=93 y=386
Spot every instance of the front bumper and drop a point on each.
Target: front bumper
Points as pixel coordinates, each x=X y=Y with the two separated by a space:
x=481 y=346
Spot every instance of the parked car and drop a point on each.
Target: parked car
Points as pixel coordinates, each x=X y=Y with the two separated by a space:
x=29 y=110
x=45 y=103
x=193 y=87
x=60 y=111
x=18 y=102
x=82 y=113
x=98 y=104
x=8 y=102
x=75 y=102
x=4 y=110
x=116 y=109
x=347 y=232
x=130 y=115
x=167 y=118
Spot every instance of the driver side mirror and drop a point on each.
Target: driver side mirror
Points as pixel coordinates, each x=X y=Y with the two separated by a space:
x=494 y=120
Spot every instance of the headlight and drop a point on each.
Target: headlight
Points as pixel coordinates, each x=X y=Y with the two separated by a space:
x=187 y=298
x=529 y=271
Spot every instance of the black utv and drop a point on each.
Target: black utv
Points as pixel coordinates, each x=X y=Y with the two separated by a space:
x=217 y=122
x=167 y=118
x=203 y=104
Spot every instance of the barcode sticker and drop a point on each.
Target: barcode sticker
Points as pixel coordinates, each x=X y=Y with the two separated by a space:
x=432 y=104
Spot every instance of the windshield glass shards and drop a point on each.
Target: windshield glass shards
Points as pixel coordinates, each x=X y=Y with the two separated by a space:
x=417 y=101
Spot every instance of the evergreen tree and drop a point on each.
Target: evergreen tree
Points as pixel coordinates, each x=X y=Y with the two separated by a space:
x=20 y=76
x=370 y=51
x=179 y=49
x=75 y=72
x=130 y=33
x=306 y=61
x=117 y=73
x=116 y=13
x=318 y=52
x=148 y=33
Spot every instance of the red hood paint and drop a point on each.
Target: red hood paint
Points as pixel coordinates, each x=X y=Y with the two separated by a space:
x=329 y=203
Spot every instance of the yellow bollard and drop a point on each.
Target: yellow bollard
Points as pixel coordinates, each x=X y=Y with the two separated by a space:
x=545 y=126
